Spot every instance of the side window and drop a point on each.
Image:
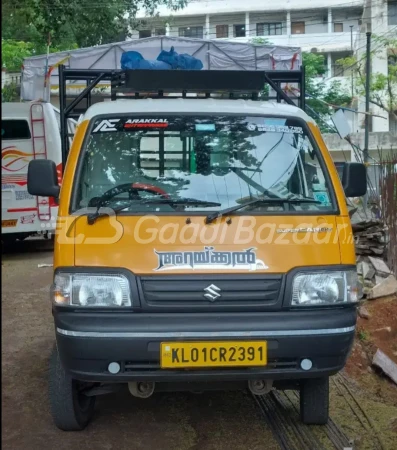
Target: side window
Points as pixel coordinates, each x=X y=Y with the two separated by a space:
x=315 y=178
x=15 y=129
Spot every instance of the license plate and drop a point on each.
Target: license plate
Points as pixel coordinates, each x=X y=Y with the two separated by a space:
x=175 y=355
x=9 y=223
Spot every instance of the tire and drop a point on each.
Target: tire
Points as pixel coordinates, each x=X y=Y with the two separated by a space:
x=314 y=401
x=70 y=409
x=8 y=242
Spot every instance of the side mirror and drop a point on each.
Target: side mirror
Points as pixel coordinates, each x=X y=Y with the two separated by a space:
x=354 y=179
x=42 y=178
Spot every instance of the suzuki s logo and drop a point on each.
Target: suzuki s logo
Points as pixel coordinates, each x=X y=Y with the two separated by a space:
x=212 y=292
x=106 y=125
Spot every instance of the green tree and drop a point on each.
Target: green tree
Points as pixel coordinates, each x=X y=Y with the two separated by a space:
x=10 y=93
x=260 y=41
x=383 y=87
x=322 y=97
x=82 y=22
x=14 y=52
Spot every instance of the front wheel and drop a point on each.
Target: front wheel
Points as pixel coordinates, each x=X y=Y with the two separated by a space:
x=314 y=401
x=71 y=410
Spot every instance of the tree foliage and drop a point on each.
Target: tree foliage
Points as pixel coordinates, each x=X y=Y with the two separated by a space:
x=260 y=41
x=9 y=93
x=322 y=97
x=383 y=87
x=14 y=52
x=69 y=24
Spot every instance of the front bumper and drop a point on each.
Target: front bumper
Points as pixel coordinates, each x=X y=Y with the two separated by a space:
x=89 y=341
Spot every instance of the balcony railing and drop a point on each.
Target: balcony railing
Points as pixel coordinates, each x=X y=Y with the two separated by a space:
x=11 y=78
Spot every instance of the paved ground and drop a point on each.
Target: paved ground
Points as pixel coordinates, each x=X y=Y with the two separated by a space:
x=363 y=412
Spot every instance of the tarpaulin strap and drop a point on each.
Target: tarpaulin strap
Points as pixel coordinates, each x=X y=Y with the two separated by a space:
x=294 y=58
x=287 y=87
x=54 y=66
x=273 y=62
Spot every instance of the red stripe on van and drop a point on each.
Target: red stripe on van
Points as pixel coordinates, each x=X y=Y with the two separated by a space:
x=21 y=209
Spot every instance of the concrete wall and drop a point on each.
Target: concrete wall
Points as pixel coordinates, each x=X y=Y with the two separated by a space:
x=378 y=142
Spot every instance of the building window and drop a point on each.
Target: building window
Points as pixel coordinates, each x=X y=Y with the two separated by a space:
x=145 y=34
x=159 y=32
x=269 y=29
x=298 y=27
x=239 y=30
x=338 y=27
x=192 y=32
x=392 y=13
x=222 y=31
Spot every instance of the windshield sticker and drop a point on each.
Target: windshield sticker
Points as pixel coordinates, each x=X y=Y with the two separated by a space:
x=205 y=127
x=322 y=197
x=209 y=259
x=319 y=187
x=106 y=125
x=146 y=123
x=274 y=122
x=275 y=128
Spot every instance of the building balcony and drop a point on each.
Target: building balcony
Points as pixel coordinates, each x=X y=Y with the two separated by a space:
x=317 y=42
x=324 y=29
x=13 y=78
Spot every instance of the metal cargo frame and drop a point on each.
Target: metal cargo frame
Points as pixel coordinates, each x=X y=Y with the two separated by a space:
x=138 y=84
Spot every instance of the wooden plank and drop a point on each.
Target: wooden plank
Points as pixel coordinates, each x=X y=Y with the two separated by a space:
x=388 y=366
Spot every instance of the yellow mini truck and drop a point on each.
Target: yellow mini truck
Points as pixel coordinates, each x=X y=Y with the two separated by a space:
x=203 y=241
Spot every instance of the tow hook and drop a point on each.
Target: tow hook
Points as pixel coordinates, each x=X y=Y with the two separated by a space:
x=260 y=387
x=141 y=389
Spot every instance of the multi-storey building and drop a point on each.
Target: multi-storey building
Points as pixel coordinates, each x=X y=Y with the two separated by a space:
x=328 y=27
x=335 y=28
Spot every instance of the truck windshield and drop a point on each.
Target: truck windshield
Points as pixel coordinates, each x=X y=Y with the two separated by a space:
x=220 y=161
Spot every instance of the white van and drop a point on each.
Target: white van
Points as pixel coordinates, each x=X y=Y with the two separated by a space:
x=29 y=131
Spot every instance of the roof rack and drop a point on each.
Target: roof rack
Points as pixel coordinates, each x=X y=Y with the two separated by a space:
x=135 y=84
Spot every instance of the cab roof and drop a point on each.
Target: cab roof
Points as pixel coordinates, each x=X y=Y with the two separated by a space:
x=192 y=106
x=15 y=110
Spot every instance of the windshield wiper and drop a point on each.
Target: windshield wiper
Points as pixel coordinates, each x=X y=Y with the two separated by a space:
x=211 y=217
x=91 y=218
x=180 y=201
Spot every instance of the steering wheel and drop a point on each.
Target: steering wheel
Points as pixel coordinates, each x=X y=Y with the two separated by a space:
x=133 y=190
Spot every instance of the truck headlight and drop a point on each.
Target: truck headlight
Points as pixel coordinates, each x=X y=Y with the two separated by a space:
x=91 y=290
x=325 y=288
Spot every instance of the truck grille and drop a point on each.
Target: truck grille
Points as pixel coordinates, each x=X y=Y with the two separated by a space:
x=227 y=292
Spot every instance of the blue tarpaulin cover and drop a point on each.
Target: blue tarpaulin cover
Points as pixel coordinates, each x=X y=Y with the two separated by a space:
x=165 y=61
x=180 y=61
x=134 y=60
